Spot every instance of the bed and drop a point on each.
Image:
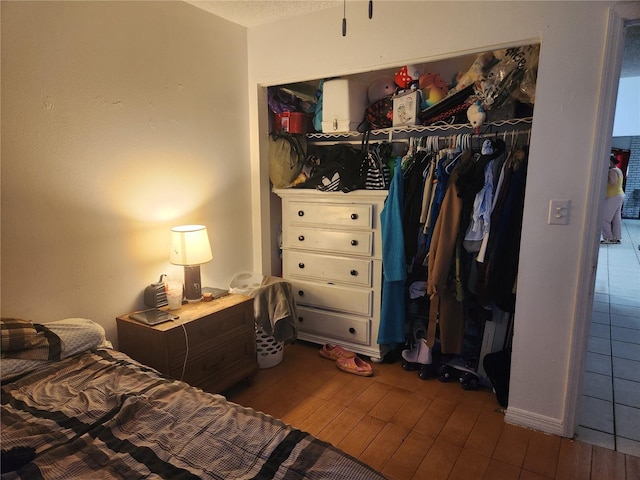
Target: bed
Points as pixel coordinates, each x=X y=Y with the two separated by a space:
x=88 y=411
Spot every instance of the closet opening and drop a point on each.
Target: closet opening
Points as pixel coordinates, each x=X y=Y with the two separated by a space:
x=477 y=156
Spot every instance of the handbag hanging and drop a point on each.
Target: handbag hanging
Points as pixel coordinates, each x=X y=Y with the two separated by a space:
x=374 y=168
x=378 y=115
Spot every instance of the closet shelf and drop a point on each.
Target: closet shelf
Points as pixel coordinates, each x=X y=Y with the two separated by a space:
x=416 y=129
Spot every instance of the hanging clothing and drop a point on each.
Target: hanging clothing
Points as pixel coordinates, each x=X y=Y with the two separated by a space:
x=429 y=183
x=442 y=179
x=441 y=284
x=413 y=187
x=498 y=273
x=394 y=273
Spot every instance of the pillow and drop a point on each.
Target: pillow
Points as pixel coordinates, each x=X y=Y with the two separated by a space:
x=18 y=334
x=74 y=335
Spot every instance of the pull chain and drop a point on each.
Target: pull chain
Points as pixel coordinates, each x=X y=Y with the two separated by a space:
x=344 y=15
x=344 y=18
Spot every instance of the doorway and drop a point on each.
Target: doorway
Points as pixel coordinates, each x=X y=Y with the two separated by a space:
x=609 y=403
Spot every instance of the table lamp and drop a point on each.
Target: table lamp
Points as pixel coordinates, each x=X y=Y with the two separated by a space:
x=190 y=247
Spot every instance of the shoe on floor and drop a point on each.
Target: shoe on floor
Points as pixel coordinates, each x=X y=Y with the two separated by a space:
x=355 y=365
x=606 y=241
x=334 y=352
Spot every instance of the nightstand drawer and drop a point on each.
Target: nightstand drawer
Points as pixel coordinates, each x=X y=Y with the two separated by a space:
x=205 y=333
x=209 y=369
x=333 y=297
x=348 y=242
x=333 y=325
x=349 y=215
x=348 y=270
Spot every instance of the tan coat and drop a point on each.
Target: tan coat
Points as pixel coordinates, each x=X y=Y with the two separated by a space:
x=440 y=288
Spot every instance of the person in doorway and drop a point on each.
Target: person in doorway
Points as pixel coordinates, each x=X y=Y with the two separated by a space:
x=612 y=220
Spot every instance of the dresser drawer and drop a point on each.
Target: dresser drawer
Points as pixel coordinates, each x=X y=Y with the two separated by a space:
x=334 y=325
x=350 y=270
x=333 y=297
x=333 y=214
x=336 y=241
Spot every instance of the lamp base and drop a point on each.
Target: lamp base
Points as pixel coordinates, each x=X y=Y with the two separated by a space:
x=192 y=286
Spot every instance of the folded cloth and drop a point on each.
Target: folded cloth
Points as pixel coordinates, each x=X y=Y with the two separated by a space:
x=275 y=308
x=23 y=339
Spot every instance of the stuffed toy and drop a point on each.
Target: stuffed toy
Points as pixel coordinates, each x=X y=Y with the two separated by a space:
x=476 y=115
x=407 y=76
x=381 y=87
x=433 y=87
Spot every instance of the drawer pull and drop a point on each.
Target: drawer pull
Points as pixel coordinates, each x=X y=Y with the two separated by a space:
x=301 y=265
x=354 y=273
x=301 y=238
x=301 y=293
x=301 y=213
x=301 y=319
x=215 y=365
x=352 y=330
x=354 y=242
x=354 y=216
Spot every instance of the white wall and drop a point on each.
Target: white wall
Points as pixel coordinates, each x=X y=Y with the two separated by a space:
x=562 y=155
x=119 y=121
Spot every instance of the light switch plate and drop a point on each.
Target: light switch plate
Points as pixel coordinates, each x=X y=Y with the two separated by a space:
x=559 y=212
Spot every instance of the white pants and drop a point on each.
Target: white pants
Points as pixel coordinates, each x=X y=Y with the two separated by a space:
x=612 y=219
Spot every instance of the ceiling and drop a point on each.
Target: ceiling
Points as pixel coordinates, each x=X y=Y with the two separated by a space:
x=250 y=13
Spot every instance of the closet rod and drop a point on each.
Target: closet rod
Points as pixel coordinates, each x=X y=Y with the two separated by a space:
x=449 y=139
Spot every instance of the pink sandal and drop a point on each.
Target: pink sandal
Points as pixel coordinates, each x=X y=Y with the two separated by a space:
x=334 y=352
x=355 y=365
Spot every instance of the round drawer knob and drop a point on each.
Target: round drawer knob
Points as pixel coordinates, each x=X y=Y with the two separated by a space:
x=354 y=273
x=301 y=293
x=354 y=216
x=300 y=319
x=301 y=265
x=301 y=213
x=352 y=330
x=354 y=242
x=301 y=238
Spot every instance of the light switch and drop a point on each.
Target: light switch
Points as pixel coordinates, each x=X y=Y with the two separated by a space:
x=559 y=212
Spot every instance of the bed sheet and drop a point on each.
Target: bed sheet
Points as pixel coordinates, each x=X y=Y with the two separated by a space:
x=102 y=415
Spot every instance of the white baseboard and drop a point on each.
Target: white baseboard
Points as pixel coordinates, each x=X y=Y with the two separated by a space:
x=534 y=421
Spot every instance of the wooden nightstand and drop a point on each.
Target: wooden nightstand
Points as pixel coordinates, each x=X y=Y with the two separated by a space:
x=221 y=343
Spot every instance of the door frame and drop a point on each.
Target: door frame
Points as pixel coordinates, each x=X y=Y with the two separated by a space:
x=619 y=16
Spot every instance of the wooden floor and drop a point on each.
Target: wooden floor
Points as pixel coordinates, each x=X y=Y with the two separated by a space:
x=409 y=428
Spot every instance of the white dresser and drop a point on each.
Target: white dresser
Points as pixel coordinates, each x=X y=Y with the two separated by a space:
x=332 y=255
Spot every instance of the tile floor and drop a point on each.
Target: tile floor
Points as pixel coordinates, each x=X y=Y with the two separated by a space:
x=609 y=413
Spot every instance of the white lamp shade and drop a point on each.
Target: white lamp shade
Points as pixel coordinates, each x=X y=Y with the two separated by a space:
x=190 y=245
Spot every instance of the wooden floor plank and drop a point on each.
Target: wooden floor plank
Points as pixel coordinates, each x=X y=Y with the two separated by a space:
x=417 y=429
x=574 y=461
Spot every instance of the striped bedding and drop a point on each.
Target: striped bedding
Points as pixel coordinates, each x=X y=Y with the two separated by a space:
x=102 y=415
